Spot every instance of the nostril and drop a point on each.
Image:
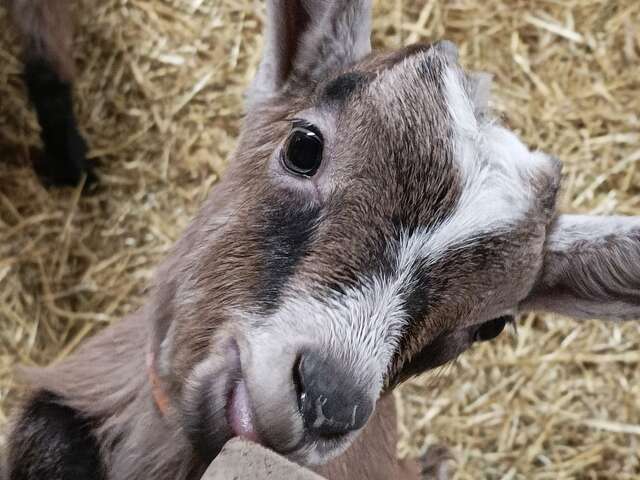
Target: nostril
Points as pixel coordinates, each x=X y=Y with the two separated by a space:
x=329 y=401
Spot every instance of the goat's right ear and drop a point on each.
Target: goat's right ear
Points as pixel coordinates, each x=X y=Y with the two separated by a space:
x=591 y=268
x=307 y=39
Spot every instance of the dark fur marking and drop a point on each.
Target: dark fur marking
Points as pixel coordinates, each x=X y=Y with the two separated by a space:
x=55 y=442
x=285 y=232
x=64 y=159
x=340 y=88
x=426 y=211
x=418 y=300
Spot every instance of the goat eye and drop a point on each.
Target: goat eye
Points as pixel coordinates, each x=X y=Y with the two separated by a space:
x=303 y=151
x=491 y=329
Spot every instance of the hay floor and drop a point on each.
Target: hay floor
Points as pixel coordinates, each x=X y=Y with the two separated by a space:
x=159 y=93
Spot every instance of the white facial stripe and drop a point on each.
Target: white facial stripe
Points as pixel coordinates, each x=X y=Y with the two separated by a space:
x=361 y=327
x=497 y=170
x=460 y=107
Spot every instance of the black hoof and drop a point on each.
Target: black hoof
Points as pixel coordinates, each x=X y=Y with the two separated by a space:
x=67 y=166
x=64 y=160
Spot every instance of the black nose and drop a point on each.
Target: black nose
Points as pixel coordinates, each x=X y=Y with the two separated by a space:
x=329 y=399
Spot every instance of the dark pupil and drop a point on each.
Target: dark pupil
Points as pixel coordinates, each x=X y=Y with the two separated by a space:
x=304 y=152
x=491 y=329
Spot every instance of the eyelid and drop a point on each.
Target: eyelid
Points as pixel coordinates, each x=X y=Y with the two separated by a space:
x=299 y=123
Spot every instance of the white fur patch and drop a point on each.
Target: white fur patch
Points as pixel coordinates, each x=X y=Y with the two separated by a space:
x=460 y=107
x=360 y=327
x=570 y=230
x=497 y=170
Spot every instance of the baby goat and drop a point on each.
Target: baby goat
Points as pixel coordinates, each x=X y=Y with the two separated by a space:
x=45 y=30
x=374 y=222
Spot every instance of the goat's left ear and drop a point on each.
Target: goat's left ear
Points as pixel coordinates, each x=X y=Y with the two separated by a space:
x=591 y=269
x=307 y=39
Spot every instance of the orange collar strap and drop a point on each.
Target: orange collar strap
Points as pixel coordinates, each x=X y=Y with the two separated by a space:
x=160 y=397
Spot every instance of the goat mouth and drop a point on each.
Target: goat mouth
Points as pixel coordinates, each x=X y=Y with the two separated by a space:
x=240 y=418
x=239 y=412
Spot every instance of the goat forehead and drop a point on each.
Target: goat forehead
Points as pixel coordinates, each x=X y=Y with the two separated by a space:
x=394 y=142
x=410 y=96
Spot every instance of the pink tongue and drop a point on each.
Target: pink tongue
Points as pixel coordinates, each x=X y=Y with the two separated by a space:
x=241 y=416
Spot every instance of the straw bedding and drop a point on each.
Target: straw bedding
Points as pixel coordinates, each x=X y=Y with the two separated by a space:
x=159 y=97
